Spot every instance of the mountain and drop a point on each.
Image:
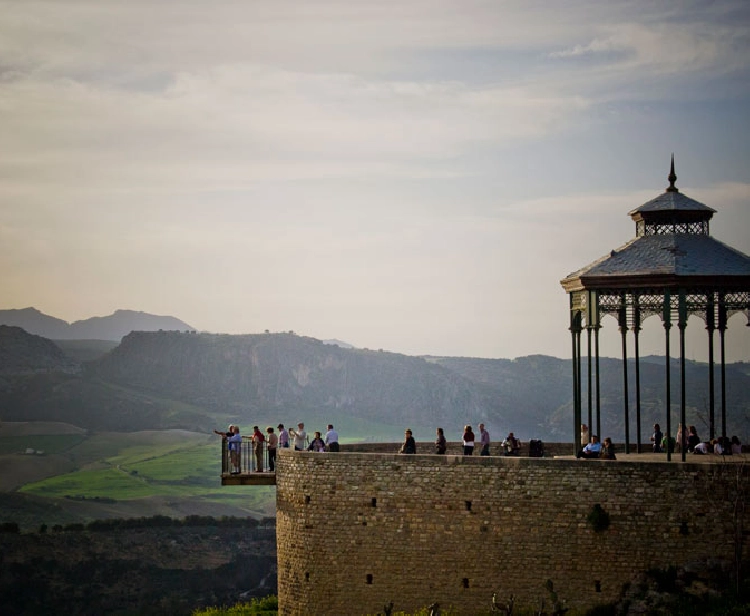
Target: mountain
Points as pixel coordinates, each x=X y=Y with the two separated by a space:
x=34 y=322
x=171 y=379
x=263 y=374
x=24 y=354
x=112 y=327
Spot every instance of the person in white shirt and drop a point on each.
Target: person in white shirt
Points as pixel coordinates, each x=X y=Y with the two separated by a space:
x=300 y=437
x=332 y=439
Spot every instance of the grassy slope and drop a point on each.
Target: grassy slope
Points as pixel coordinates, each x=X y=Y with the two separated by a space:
x=167 y=472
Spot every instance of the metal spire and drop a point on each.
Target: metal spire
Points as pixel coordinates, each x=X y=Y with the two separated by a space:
x=672 y=178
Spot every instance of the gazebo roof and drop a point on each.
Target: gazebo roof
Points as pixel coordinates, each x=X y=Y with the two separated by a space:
x=672 y=249
x=672 y=201
x=665 y=261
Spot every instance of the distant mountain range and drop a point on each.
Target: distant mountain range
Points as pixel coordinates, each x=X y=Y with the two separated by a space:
x=112 y=327
x=187 y=380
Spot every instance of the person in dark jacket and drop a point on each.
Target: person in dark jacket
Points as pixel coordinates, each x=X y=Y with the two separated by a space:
x=656 y=438
x=409 y=446
x=693 y=439
x=468 y=441
x=440 y=444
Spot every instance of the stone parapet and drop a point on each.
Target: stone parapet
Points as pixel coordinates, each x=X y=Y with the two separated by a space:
x=357 y=530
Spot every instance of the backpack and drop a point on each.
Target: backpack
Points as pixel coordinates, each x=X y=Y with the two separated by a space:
x=536 y=449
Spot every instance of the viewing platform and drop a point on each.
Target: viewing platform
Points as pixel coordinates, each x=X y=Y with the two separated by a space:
x=249 y=475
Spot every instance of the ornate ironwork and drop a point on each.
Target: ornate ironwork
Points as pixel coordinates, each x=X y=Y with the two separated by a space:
x=642 y=228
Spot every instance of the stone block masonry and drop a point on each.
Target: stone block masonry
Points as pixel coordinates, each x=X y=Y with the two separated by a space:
x=356 y=530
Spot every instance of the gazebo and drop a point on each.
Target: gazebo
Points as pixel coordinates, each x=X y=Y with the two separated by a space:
x=672 y=269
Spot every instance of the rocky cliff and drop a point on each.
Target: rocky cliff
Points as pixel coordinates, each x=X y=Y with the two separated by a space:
x=268 y=372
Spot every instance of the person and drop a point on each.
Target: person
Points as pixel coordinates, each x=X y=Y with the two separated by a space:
x=717 y=446
x=701 y=448
x=680 y=438
x=468 y=441
x=511 y=445
x=440 y=444
x=692 y=439
x=317 y=444
x=608 y=450
x=273 y=441
x=332 y=439
x=736 y=445
x=300 y=436
x=592 y=450
x=283 y=436
x=656 y=438
x=484 y=440
x=258 y=440
x=409 y=445
x=234 y=442
x=585 y=437
x=667 y=443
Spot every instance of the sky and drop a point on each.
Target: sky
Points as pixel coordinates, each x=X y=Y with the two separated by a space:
x=411 y=175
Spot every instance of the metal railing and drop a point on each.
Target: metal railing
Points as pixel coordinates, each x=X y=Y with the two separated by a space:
x=246 y=459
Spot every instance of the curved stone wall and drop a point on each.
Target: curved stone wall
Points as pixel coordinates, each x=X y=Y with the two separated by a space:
x=356 y=530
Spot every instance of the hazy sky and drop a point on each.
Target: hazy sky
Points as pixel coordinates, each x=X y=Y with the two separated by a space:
x=412 y=175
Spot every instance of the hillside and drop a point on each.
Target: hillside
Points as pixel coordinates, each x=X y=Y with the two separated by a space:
x=170 y=380
x=112 y=327
x=24 y=354
x=264 y=374
x=158 y=568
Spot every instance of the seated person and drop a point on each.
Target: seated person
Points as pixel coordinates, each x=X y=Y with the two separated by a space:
x=511 y=445
x=592 y=450
x=702 y=448
x=317 y=444
x=608 y=450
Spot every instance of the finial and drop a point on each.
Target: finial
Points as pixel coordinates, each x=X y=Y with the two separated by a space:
x=672 y=177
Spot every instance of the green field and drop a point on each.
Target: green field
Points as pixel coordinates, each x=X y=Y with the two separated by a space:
x=177 y=469
x=48 y=443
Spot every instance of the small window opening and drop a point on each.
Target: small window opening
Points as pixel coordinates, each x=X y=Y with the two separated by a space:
x=369 y=578
x=307 y=576
x=468 y=505
x=465 y=582
x=307 y=499
x=598 y=585
x=374 y=502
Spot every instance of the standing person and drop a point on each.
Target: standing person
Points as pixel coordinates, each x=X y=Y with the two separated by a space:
x=283 y=437
x=258 y=440
x=300 y=436
x=585 y=437
x=656 y=438
x=409 y=445
x=332 y=439
x=273 y=442
x=234 y=445
x=692 y=439
x=468 y=441
x=680 y=438
x=484 y=440
x=440 y=444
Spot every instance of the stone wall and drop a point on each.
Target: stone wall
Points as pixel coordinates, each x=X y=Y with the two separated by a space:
x=356 y=530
